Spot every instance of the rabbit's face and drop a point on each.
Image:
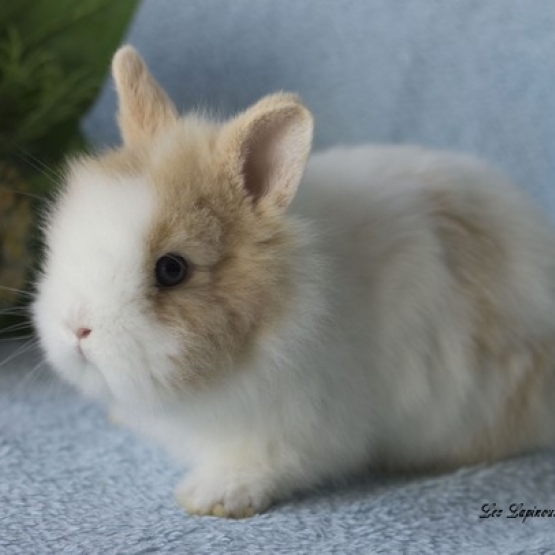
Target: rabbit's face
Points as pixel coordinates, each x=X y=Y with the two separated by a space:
x=169 y=259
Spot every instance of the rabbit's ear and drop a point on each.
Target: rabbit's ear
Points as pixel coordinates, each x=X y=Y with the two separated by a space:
x=144 y=108
x=268 y=146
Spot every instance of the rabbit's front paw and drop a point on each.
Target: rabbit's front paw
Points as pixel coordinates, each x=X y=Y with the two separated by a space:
x=229 y=493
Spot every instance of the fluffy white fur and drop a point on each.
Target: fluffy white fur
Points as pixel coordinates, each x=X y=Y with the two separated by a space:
x=94 y=278
x=373 y=365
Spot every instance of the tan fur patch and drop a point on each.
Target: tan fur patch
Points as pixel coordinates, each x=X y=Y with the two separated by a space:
x=144 y=108
x=240 y=258
x=240 y=251
x=518 y=427
x=478 y=263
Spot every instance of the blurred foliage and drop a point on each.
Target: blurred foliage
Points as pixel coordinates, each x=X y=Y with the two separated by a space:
x=54 y=56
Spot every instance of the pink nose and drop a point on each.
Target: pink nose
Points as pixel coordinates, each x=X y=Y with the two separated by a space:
x=81 y=333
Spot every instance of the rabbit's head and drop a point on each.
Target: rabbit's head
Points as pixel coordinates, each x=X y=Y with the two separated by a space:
x=168 y=259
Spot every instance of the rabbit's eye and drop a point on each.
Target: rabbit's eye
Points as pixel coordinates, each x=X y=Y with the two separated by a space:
x=171 y=270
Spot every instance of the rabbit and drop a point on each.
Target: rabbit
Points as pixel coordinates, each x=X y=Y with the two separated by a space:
x=395 y=313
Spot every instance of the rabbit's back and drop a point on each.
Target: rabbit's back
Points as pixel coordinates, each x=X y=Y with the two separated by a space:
x=445 y=279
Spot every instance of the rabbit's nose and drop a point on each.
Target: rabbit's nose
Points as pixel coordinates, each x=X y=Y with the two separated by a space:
x=81 y=333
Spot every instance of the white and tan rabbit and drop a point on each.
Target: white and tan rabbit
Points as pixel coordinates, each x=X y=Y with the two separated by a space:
x=400 y=313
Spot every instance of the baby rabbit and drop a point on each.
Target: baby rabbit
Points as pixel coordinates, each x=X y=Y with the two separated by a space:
x=398 y=313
